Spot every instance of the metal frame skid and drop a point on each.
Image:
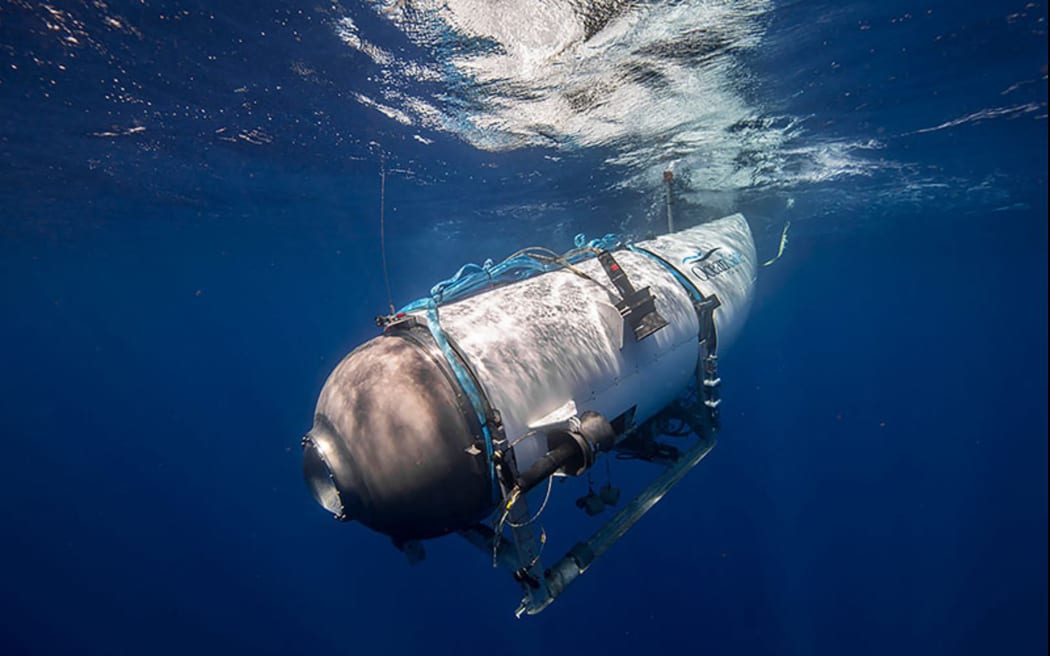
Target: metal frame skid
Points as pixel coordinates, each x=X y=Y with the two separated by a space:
x=516 y=544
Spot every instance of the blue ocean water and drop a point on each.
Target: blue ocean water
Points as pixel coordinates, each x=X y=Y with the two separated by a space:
x=189 y=243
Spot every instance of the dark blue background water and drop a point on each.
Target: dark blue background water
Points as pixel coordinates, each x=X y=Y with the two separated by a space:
x=172 y=303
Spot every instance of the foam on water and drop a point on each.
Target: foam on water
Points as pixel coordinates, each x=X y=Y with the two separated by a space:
x=654 y=83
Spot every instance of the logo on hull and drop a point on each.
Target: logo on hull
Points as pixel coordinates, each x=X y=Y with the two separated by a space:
x=708 y=263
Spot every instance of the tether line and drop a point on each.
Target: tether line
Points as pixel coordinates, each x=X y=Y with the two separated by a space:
x=382 y=232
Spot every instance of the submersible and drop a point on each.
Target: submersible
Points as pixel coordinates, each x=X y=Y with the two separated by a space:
x=514 y=373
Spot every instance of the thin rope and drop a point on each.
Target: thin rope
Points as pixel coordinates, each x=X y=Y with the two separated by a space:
x=504 y=520
x=546 y=498
x=382 y=233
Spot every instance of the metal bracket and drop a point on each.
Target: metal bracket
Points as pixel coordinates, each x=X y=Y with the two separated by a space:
x=636 y=306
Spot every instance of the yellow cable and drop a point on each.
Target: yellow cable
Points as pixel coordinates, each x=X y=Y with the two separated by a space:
x=783 y=244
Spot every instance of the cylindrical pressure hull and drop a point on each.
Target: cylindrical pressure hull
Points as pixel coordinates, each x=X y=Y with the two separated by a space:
x=541 y=343
x=542 y=349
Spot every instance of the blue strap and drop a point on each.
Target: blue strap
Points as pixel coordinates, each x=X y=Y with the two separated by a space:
x=466 y=383
x=608 y=242
x=468 y=270
x=695 y=293
x=472 y=278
